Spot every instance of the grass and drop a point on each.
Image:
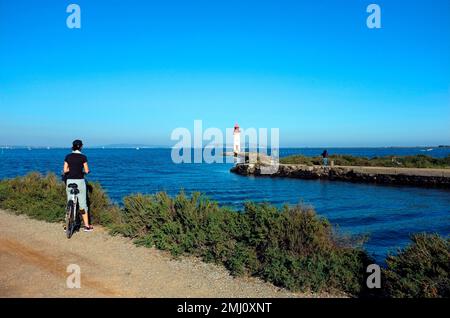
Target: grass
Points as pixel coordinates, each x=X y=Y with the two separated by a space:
x=416 y=161
x=291 y=247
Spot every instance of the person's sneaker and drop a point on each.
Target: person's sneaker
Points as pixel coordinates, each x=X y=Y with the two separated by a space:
x=88 y=229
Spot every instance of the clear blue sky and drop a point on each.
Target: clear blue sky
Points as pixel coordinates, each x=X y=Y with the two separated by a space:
x=138 y=69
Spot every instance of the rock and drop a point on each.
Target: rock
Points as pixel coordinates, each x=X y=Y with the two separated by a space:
x=382 y=175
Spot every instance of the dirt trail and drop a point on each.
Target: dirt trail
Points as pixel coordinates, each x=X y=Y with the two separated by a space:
x=34 y=256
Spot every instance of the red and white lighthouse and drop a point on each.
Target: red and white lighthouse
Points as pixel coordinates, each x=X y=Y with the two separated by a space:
x=236 y=139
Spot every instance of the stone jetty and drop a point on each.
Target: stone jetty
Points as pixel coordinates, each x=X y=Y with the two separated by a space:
x=439 y=178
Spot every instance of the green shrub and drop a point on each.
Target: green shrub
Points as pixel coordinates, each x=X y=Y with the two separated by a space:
x=290 y=247
x=301 y=160
x=39 y=197
x=102 y=211
x=416 y=161
x=420 y=270
x=298 y=251
x=44 y=198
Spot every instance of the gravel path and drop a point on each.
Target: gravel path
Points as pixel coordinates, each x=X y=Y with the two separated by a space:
x=34 y=256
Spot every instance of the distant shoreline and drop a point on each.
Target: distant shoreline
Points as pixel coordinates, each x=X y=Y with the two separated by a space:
x=169 y=147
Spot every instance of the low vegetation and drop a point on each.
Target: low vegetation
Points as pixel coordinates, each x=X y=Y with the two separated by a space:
x=417 y=161
x=44 y=198
x=291 y=246
x=421 y=270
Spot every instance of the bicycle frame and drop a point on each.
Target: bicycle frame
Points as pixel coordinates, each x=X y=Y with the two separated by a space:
x=74 y=198
x=72 y=213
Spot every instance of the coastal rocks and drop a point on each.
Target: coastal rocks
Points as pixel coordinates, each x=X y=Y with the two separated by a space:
x=380 y=175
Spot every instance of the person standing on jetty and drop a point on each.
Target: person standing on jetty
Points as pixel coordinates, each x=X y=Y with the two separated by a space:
x=75 y=167
x=325 y=157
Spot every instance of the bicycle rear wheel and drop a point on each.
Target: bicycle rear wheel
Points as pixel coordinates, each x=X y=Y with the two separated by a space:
x=70 y=219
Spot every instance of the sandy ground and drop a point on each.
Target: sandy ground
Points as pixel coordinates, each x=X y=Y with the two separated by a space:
x=34 y=257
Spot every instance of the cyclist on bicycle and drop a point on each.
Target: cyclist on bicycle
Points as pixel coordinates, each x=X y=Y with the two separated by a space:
x=75 y=167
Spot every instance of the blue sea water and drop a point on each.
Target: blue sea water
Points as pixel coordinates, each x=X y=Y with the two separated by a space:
x=387 y=214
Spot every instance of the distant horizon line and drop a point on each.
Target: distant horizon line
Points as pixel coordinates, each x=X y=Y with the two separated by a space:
x=132 y=146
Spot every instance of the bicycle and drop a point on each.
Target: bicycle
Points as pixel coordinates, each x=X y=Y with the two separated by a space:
x=73 y=220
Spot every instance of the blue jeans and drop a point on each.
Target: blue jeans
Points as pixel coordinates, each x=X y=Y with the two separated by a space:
x=325 y=161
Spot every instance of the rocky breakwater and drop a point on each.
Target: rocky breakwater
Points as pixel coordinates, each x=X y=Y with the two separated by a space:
x=381 y=175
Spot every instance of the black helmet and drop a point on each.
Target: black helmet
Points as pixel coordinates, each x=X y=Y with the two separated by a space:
x=77 y=144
